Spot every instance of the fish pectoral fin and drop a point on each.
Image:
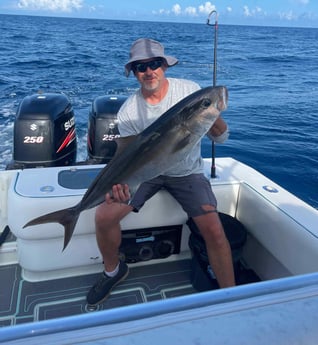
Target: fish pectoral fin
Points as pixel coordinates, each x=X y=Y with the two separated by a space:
x=182 y=143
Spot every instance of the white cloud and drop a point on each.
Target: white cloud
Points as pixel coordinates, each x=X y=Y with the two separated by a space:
x=247 y=12
x=287 y=15
x=176 y=9
x=229 y=9
x=192 y=11
x=257 y=11
x=51 y=5
x=207 y=8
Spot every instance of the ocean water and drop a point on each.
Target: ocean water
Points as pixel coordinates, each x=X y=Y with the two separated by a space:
x=271 y=74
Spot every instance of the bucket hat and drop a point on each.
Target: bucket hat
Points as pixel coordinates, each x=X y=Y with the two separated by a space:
x=145 y=48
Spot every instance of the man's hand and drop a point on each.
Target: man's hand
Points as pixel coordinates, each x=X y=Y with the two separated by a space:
x=219 y=131
x=120 y=194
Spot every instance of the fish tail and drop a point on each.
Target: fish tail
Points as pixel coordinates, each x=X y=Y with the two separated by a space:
x=67 y=217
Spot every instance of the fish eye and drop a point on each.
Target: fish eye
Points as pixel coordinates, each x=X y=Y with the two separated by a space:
x=206 y=102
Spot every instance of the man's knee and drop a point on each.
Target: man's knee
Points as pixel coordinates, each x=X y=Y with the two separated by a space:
x=211 y=229
x=101 y=214
x=110 y=214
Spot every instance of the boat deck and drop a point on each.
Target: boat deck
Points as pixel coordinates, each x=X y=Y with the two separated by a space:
x=22 y=301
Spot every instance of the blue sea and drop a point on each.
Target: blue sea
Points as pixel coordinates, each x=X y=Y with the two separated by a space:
x=271 y=74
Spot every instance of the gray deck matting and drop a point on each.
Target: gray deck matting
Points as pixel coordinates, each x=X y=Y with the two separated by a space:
x=22 y=301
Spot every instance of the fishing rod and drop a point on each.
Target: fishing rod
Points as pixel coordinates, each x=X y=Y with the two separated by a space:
x=213 y=174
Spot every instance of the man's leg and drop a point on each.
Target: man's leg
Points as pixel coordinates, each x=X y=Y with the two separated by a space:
x=108 y=236
x=108 y=232
x=195 y=195
x=218 y=248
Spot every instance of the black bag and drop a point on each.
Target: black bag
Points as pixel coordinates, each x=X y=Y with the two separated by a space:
x=202 y=276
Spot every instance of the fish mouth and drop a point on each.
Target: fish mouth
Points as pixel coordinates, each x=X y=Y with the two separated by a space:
x=223 y=100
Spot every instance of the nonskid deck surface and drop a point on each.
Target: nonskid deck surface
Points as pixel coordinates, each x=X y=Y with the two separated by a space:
x=22 y=301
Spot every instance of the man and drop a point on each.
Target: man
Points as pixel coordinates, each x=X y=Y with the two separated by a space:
x=186 y=181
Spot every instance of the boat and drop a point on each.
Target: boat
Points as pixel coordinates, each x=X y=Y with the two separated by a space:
x=170 y=295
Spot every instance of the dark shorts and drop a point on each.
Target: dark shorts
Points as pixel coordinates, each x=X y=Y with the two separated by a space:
x=190 y=191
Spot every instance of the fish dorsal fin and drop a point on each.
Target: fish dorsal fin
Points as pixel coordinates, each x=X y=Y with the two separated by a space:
x=123 y=142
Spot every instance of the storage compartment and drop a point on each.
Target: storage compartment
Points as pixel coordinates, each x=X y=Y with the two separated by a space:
x=41 y=191
x=152 y=243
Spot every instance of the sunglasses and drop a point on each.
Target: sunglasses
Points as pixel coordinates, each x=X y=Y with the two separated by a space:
x=142 y=66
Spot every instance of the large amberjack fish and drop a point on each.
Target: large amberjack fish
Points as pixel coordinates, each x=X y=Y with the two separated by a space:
x=149 y=154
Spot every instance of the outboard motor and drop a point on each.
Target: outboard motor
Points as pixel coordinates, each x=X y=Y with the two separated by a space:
x=44 y=132
x=102 y=128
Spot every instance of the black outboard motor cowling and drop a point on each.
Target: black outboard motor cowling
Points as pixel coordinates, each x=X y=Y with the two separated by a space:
x=102 y=128
x=44 y=132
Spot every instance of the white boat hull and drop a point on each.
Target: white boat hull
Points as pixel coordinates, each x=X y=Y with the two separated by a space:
x=282 y=224
x=281 y=247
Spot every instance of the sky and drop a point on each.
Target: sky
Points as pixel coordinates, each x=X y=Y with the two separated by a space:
x=291 y=13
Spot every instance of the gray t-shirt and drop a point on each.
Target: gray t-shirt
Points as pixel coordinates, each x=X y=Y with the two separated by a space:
x=136 y=114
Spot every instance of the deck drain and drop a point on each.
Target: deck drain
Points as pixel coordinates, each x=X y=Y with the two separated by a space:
x=91 y=308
